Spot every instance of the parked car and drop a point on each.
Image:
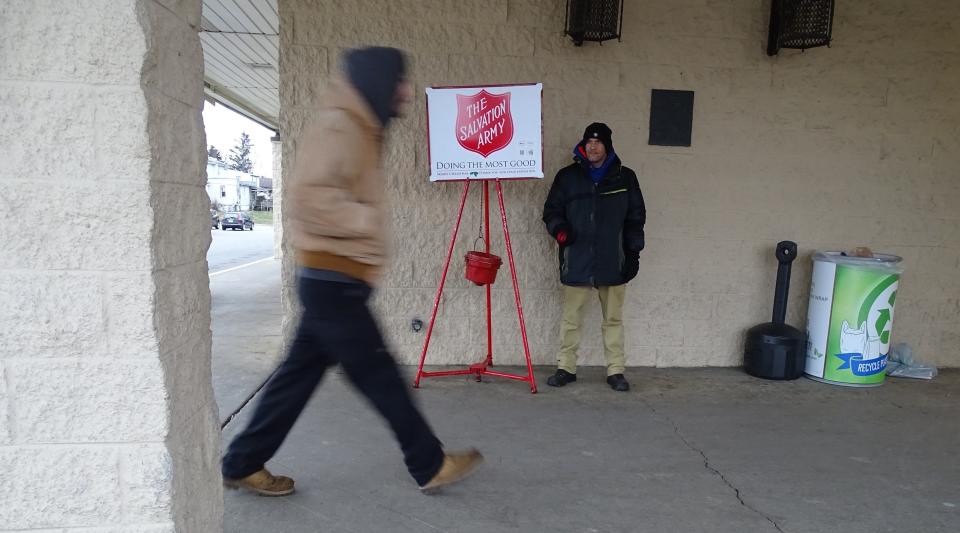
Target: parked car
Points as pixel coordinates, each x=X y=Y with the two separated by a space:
x=240 y=221
x=214 y=219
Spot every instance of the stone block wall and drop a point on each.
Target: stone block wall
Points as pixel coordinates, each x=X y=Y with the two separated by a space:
x=107 y=418
x=857 y=144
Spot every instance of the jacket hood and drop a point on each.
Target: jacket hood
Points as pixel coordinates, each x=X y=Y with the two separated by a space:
x=375 y=73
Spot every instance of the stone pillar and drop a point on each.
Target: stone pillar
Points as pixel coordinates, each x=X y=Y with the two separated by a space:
x=277 y=197
x=107 y=417
x=282 y=249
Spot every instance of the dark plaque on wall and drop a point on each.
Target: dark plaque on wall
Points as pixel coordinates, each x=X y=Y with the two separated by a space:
x=671 y=117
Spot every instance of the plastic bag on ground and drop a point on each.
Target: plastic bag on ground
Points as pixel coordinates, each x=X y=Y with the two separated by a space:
x=901 y=364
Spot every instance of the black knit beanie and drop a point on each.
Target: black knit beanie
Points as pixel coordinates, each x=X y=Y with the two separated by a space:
x=376 y=72
x=601 y=132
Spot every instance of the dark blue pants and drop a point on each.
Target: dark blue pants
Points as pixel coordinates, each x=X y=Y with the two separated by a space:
x=337 y=327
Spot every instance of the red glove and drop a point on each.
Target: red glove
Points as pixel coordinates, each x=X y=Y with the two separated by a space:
x=562 y=237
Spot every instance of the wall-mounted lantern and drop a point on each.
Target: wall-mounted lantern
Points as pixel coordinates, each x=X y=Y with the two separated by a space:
x=799 y=24
x=594 y=20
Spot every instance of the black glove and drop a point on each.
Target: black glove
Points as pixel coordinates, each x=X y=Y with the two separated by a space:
x=631 y=265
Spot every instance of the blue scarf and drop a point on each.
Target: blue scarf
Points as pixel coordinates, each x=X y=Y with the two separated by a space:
x=596 y=173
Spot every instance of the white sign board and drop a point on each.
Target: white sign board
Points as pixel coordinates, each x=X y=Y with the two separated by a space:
x=477 y=133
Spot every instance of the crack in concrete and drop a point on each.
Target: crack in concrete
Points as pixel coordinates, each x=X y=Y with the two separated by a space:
x=708 y=466
x=413 y=518
x=711 y=468
x=243 y=404
x=326 y=519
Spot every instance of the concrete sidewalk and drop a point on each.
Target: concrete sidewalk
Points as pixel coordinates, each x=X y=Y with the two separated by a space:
x=688 y=450
x=245 y=318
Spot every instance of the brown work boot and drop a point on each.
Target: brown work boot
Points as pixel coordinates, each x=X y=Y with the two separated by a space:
x=263 y=483
x=456 y=466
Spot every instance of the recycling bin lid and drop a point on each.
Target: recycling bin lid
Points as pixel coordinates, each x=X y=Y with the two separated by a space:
x=882 y=262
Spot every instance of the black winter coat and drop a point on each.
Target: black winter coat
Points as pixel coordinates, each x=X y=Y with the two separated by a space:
x=606 y=221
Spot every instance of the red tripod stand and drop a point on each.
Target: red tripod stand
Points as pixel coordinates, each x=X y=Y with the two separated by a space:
x=483 y=368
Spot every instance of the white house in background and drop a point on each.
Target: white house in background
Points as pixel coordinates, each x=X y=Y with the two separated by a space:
x=233 y=190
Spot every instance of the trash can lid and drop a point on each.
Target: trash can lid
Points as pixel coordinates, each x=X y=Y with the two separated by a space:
x=882 y=262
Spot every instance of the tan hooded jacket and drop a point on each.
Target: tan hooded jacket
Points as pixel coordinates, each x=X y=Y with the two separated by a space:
x=336 y=206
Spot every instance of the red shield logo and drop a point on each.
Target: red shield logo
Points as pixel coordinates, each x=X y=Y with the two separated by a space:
x=484 y=122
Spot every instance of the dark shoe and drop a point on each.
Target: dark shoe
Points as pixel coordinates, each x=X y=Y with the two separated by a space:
x=561 y=378
x=263 y=483
x=618 y=383
x=456 y=466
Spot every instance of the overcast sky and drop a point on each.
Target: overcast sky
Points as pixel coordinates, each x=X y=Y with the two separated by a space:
x=223 y=131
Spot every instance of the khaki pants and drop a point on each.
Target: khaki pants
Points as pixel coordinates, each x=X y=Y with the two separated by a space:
x=574 y=304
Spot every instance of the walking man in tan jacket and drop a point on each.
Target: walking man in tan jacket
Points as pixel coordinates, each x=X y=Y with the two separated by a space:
x=338 y=226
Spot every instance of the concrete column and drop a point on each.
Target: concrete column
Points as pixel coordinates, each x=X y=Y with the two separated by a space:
x=282 y=249
x=107 y=417
x=277 y=199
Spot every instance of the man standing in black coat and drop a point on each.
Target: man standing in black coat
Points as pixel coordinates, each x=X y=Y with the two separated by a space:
x=595 y=212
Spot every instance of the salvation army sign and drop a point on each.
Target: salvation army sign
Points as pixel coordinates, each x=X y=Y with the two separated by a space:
x=484 y=122
x=492 y=132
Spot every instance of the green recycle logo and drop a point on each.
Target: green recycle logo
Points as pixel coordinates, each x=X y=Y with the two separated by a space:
x=884 y=313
